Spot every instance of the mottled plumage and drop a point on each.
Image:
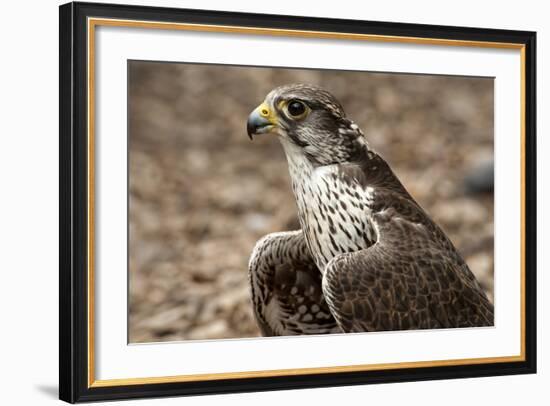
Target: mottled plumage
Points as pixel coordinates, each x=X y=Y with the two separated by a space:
x=286 y=287
x=374 y=258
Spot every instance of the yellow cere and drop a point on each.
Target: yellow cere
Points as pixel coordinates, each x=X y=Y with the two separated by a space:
x=266 y=112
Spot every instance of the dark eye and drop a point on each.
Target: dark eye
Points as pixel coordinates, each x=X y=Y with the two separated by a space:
x=296 y=108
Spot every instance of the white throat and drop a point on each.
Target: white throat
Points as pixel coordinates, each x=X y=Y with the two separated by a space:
x=333 y=223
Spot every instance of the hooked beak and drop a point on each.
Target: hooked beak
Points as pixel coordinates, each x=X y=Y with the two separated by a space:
x=260 y=121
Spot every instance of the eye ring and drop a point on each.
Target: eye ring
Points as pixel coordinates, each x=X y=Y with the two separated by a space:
x=296 y=108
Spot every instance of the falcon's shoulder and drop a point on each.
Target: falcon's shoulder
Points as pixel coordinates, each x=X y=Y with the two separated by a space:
x=371 y=170
x=412 y=277
x=286 y=287
x=377 y=289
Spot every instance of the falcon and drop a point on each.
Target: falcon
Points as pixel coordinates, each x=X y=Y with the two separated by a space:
x=367 y=256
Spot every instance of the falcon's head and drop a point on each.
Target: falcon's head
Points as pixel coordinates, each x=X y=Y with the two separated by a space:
x=309 y=121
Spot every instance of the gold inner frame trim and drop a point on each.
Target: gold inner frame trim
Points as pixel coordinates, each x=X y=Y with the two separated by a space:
x=94 y=22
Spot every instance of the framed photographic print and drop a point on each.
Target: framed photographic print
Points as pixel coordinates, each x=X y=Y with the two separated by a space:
x=257 y=202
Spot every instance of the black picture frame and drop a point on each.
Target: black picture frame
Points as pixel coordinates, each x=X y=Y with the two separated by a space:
x=73 y=255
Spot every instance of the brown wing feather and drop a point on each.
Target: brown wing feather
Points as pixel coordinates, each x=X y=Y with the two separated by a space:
x=412 y=278
x=286 y=288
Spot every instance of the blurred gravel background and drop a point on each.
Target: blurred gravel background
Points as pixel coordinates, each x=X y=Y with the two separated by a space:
x=201 y=194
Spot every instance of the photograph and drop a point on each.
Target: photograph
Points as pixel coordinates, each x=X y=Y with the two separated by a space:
x=268 y=201
x=274 y=203
x=258 y=202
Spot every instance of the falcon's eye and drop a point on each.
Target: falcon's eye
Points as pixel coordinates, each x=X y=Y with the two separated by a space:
x=296 y=108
